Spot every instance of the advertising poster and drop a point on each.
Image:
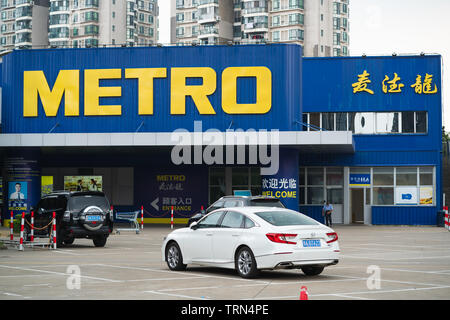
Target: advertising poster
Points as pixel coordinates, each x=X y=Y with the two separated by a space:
x=83 y=183
x=426 y=195
x=17 y=195
x=406 y=195
x=46 y=185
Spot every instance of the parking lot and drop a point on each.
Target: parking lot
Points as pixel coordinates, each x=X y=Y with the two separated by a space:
x=412 y=263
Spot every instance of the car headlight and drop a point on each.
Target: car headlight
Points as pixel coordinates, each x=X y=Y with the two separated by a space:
x=66 y=216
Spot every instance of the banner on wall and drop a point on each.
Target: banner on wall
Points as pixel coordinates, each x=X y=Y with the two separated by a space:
x=46 y=185
x=17 y=195
x=83 y=183
x=426 y=195
x=406 y=195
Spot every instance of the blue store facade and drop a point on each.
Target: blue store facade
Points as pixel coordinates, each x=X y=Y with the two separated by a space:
x=182 y=126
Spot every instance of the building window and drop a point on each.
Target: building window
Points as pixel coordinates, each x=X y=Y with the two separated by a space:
x=406 y=176
x=370 y=122
x=383 y=196
x=276 y=36
x=318 y=184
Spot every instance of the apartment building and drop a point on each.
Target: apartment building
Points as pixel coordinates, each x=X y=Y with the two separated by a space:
x=23 y=23
x=78 y=23
x=320 y=26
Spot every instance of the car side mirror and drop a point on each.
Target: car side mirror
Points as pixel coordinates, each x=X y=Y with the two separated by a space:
x=194 y=225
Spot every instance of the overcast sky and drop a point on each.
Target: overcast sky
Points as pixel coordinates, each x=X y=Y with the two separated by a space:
x=386 y=26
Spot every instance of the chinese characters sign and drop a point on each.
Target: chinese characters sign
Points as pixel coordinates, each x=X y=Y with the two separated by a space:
x=422 y=84
x=172 y=192
x=280 y=187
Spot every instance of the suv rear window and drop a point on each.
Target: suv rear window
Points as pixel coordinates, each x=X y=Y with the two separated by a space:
x=266 y=203
x=285 y=218
x=53 y=203
x=80 y=202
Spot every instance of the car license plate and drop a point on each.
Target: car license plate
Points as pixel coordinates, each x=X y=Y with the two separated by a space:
x=93 y=218
x=311 y=243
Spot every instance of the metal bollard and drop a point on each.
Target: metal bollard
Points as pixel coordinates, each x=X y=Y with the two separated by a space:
x=32 y=227
x=54 y=230
x=142 y=217
x=11 y=225
x=21 y=231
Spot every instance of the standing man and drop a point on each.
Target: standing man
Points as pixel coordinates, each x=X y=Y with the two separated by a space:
x=328 y=210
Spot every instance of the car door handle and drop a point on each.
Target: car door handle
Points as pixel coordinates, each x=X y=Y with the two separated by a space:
x=235 y=235
x=209 y=234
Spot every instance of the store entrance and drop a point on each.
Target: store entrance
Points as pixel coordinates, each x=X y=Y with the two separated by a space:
x=357 y=205
x=223 y=181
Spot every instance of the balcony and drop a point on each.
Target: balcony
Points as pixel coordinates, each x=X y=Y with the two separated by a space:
x=256 y=27
x=208 y=18
x=207 y=2
x=249 y=11
x=207 y=32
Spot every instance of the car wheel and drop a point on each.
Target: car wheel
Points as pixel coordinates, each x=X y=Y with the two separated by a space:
x=59 y=236
x=312 y=270
x=245 y=263
x=99 y=241
x=174 y=257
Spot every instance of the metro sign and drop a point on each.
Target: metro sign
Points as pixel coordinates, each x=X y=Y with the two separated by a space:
x=67 y=84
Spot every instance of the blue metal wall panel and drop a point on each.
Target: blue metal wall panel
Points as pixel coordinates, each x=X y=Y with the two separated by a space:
x=366 y=158
x=403 y=215
x=314 y=212
x=283 y=60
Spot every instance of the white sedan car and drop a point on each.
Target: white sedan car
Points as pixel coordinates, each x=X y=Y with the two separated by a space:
x=250 y=239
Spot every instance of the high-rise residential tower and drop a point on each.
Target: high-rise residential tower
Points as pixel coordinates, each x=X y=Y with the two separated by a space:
x=23 y=23
x=77 y=23
x=320 y=26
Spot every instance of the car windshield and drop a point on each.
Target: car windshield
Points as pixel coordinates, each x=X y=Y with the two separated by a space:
x=78 y=203
x=266 y=203
x=285 y=218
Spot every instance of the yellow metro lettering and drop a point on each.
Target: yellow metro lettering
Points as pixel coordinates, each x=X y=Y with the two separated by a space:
x=263 y=90
x=35 y=85
x=145 y=78
x=68 y=84
x=199 y=93
x=93 y=92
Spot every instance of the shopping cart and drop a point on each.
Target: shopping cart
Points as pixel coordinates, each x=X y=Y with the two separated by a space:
x=130 y=217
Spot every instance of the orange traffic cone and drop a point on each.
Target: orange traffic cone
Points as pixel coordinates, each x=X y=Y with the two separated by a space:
x=303 y=293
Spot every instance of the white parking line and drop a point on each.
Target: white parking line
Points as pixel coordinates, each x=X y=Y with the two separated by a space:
x=391 y=259
x=57 y=273
x=349 y=294
x=176 y=295
x=418 y=271
x=163 y=279
x=351 y=297
x=382 y=291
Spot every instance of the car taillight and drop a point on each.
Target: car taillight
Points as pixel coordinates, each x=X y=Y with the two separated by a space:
x=282 y=237
x=332 y=237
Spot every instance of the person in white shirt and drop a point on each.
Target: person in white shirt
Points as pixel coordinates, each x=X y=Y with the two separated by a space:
x=328 y=210
x=17 y=195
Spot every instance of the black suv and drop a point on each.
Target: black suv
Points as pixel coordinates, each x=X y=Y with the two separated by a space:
x=78 y=215
x=238 y=201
